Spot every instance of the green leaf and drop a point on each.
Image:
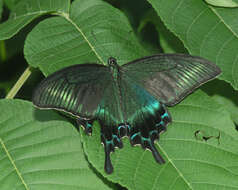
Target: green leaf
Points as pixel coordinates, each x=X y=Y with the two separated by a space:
x=190 y=163
x=93 y=32
x=27 y=10
x=205 y=31
x=38 y=150
x=223 y=3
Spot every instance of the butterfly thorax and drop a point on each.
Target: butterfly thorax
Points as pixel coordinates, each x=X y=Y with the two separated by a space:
x=114 y=67
x=116 y=77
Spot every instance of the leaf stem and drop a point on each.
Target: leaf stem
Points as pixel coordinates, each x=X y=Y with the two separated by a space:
x=12 y=93
x=3 y=54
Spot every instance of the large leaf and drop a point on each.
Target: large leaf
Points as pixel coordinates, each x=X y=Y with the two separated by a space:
x=190 y=163
x=205 y=30
x=38 y=150
x=93 y=32
x=27 y=10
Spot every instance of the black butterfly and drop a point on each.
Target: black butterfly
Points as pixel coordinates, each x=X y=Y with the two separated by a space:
x=128 y=100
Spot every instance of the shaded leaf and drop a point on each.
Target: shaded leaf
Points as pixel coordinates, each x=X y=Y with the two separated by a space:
x=229 y=105
x=168 y=41
x=27 y=10
x=225 y=95
x=38 y=150
x=205 y=31
x=1 y=9
x=184 y=154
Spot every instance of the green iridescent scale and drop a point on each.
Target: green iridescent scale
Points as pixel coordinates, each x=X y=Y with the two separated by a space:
x=128 y=100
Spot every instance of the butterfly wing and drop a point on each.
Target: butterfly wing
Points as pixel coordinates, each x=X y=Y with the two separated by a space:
x=110 y=117
x=77 y=90
x=171 y=77
x=147 y=117
x=88 y=92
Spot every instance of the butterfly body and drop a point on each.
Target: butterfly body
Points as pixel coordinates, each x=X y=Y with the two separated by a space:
x=128 y=100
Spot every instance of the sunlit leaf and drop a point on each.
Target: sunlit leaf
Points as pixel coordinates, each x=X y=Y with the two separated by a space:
x=39 y=150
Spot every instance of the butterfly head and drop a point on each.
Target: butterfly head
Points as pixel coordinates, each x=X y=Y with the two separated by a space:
x=112 y=62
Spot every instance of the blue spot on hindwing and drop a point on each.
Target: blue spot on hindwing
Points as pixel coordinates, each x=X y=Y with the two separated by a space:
x=153 y=132
x=88 y=125
x=134 y=135
x=165 y=115
x=116 y=137
x=108 y=142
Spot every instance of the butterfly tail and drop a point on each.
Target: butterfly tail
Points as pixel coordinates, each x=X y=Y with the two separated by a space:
x=156 y=154
x=108 y=164
x=111 y=138
x=148 y=129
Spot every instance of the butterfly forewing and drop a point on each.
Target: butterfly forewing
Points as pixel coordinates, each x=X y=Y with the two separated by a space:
x=171 y=77
x=77 y=89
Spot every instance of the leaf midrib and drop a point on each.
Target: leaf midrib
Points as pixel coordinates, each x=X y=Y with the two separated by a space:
x=178 y=171
x=66 y=16
x=14 y=165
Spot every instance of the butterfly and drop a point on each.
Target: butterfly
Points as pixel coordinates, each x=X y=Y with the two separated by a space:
x=129 y=100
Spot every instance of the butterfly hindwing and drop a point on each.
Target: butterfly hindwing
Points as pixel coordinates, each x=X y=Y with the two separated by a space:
x=110 y=117
x=147 y=117
x=171 y=77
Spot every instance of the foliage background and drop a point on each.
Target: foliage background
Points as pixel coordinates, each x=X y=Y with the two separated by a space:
x=43 y=150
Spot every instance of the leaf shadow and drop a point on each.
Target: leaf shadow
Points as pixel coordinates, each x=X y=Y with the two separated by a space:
x=45 y=115
x=221 y=88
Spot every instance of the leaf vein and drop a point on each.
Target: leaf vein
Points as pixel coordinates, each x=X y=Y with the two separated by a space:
x=13 y=164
